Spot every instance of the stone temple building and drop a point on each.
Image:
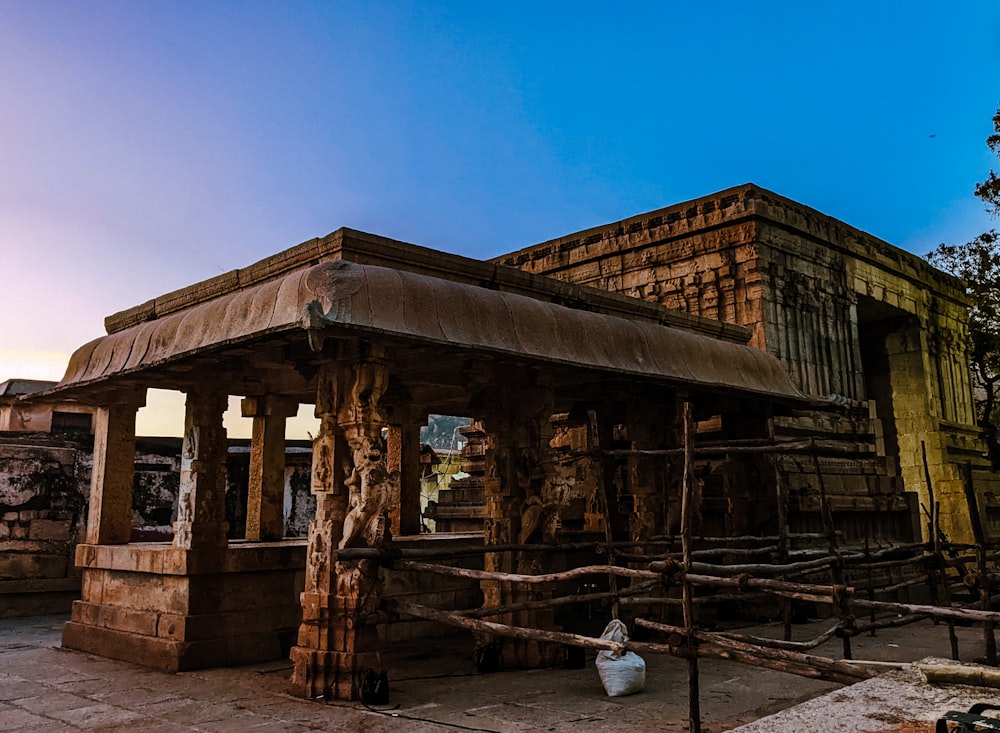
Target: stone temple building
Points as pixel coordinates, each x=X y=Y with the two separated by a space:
x=17 y=416
x=741 y=324
x=851 y=317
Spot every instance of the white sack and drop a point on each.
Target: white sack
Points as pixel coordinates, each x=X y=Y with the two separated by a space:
x=621 y=674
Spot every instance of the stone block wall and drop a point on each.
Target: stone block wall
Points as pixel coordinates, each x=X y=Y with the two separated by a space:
x=160 y=606
x=43 y=509
x=437 y=591
x=656 y=257
x=45 y=490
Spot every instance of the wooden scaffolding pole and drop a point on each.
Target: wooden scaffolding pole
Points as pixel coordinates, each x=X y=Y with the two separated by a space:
x=982 y=580
x=941 y=571
x=687 y=511
x=781 y=501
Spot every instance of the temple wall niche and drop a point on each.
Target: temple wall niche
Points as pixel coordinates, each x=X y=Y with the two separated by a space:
x=809 y=319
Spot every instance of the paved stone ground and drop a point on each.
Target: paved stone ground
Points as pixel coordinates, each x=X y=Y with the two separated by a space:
x=896 y=702
x=434 y=688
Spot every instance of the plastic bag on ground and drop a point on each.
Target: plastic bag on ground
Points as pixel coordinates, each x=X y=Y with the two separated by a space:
x=621 y=674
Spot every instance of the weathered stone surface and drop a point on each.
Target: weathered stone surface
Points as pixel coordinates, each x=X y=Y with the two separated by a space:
x=168 y=615
x=848 y=314
x=201 y=499
x=110 y=514
x=49 y=529
x=353 y=485
x=31 y=565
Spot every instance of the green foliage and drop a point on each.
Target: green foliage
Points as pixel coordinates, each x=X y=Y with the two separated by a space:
x=978 y=263
x=989 y=190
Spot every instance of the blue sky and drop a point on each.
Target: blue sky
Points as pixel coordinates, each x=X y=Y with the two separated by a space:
x=144 y=146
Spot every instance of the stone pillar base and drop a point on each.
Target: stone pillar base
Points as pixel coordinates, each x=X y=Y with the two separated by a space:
x=334 y=675
x=204 y=536
x=336 y=649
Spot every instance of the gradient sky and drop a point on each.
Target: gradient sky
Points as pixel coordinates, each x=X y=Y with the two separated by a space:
x=145 y=146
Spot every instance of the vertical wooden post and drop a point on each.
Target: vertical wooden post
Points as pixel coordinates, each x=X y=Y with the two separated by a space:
x=837 y=567
x=781 y=497
x=109 y=520
x=687 y=499
x=869 y=578
x=989 y=637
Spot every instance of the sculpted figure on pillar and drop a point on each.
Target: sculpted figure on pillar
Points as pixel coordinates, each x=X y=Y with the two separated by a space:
x=369 y=482
x=370 y=488
x=329 y=465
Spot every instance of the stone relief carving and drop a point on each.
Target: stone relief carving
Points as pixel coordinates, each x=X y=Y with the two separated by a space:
x=368 y=481
x=369 y=487
x=322 y=474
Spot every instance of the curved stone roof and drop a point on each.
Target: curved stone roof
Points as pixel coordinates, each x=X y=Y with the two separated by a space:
x=342 y=297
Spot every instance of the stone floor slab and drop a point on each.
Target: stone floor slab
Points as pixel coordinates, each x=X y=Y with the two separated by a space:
x=14 y=690
x=51 y=701
x=134 y=697
x=96 y=716
x=433 y=689
x=236 y=722
x=15 y=719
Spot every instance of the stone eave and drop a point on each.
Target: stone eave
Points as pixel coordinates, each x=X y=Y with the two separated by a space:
x=344 y=299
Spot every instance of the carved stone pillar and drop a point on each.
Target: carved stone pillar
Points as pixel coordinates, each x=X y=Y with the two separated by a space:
x=517 y=472
x=266 y=494
x=201 y=501
x=109 y=519
x=337 y=651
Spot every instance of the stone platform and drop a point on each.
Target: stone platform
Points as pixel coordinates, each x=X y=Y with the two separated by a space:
x=169 y=609
x=176 y=610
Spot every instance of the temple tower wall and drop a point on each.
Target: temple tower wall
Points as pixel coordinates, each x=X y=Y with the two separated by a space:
x=849 y=315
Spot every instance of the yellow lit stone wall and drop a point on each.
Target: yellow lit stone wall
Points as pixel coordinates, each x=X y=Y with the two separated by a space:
x=931 y=391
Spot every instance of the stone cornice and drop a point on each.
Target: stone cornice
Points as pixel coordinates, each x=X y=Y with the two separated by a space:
x=748 y=204
x=371 y=249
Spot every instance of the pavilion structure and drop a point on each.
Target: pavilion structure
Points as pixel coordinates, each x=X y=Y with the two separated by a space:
x=377 y=334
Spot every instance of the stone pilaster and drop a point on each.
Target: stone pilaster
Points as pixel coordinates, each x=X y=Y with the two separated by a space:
x=109 y=519
x=403 y=445
x=266 y=494
x=201 y=502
